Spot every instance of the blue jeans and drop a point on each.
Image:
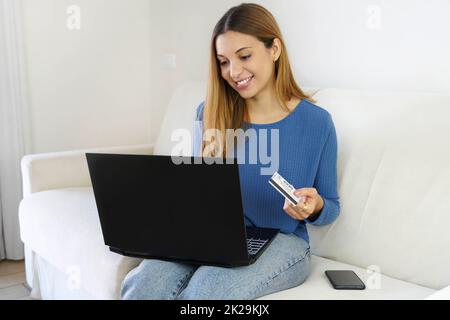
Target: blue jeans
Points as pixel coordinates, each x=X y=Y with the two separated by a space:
x=283 y=265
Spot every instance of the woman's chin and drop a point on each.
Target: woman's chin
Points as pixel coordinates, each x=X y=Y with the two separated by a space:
x=247 y=94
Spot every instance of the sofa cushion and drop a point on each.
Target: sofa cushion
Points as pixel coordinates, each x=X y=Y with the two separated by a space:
x=443 y=294
x=394 y=182
x=317 y=285
x=63 y=227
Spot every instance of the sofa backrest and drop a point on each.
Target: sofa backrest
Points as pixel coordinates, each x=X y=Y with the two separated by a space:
x=393 y=179
x=394 y=184
x=180 y=115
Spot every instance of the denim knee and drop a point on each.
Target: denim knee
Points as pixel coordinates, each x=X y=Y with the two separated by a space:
x=156 y=280
x=206 y=283
x=285 y=264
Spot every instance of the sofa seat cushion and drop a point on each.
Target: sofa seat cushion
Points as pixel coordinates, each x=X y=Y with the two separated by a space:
x=443 y=294
x=63 y=227
x=317 y=285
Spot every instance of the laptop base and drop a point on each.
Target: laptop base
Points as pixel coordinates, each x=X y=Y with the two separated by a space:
x=252 y=233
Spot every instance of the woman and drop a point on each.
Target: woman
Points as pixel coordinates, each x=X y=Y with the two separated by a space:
x=251 y=86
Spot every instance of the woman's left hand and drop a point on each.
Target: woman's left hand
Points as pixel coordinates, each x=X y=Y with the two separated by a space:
x=310 y=203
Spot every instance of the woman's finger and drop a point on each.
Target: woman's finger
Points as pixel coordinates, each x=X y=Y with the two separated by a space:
x=306 y=192
x=305 y=209
x=289 y=209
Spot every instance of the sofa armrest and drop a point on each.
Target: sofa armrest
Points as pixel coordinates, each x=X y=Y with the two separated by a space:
x=65 y=169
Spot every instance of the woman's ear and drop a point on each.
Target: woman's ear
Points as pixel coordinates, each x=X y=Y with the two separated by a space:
x=276 y=49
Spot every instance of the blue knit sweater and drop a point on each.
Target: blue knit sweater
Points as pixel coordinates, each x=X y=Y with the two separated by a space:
x=307 y=159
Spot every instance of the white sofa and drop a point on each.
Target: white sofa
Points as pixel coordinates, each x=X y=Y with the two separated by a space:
x=394 y=183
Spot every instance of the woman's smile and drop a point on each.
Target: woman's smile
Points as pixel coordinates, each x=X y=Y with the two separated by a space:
x=244 y=84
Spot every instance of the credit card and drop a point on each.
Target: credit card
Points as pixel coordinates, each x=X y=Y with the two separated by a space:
x=284 y=187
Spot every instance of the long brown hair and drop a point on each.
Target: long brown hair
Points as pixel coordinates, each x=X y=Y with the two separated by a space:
x=224 y=108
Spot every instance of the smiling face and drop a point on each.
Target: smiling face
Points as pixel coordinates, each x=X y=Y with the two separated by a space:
x=245 y=63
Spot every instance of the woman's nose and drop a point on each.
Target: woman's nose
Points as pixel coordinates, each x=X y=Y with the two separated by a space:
x=235 y=71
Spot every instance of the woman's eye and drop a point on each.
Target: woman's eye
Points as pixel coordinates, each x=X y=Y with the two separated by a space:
x=223 y=63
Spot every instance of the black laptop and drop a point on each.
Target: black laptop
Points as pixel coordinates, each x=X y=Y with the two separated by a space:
x=152 y=207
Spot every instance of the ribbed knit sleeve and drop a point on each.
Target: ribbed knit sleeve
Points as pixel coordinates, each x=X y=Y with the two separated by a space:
x=326 y=179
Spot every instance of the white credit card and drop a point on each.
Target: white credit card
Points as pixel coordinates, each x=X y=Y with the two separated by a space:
x=284 y=187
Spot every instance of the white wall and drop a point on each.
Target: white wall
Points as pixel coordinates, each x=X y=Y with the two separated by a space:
x=88 y=87
x=107 y=83
x=392 y=45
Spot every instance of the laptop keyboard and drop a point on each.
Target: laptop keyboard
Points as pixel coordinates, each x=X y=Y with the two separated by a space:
x=254 y=245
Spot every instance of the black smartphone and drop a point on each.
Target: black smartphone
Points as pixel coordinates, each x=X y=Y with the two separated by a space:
x=345 y=280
